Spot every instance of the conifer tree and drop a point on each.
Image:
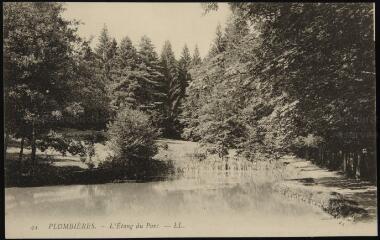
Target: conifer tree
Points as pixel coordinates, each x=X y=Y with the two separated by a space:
x=219 y=44
x=173 y=87
x=184 y=64
x=106 y=51
x=104 y=41
x=152 y=95
x=152 y=77
x=196 y=59
x=128 y=84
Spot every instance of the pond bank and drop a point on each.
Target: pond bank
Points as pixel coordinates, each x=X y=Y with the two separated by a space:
x=336 y=194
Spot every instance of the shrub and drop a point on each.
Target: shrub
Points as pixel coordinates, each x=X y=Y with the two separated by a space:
x=132 y=140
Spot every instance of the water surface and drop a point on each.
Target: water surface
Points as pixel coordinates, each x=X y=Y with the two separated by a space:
x=198 y=203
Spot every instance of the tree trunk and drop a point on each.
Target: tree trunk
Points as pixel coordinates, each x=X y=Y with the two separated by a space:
x=322 y=154
x=354 y=164
x=6 y=142
x=350 y=164
x=33 y=143
x=21 y=149
x=358 y=167
x=344 y=162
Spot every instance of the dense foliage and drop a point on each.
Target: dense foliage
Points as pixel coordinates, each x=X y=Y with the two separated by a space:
x=39 y=60
x=53 y=79
x=132 y=139
x=279 y=78
x=287 y=78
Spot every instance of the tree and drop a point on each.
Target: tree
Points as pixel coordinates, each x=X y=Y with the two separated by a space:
x=126 y=55
x=333 y=96
x=199 y=93
x=196 y=59
x=281 y=60
x=132 y=136
x=38 y=58
x=128 y=86
x=173 y=89
x=184 y=75
x=151 y=78
x=219 y=44
x=106 y=53
x=88 y=96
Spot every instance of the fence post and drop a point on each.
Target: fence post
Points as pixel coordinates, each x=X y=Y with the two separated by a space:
x=344 y=162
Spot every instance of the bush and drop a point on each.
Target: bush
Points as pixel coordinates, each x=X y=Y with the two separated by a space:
x=132 y=140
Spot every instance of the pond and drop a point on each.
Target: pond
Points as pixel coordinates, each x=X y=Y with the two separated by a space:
x=196 y=209
x=197 y=203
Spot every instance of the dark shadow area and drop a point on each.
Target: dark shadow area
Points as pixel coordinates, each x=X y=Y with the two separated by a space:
x=43 y=173
x=305 y=181
x=166 y=140
x=365 y=195
x=342 y=207
x=312 y=169
x=353 y=184
x=361 y=205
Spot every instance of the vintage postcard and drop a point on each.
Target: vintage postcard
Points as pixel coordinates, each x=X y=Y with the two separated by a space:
x=241 y=119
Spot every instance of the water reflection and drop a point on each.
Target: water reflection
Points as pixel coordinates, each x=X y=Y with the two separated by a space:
x=228 y=201
x=179 y=197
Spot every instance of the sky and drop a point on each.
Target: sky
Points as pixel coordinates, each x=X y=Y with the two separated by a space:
x=180 y=23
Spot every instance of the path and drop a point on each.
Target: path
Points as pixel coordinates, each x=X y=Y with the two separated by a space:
x=316 y=179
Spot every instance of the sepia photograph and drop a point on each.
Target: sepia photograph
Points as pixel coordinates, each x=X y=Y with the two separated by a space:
x=189 y=119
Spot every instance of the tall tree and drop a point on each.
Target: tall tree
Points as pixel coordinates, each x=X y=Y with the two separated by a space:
x=151 y=78
x=126 y=54
x=219 y=44
x=282 y=60
x=196 y=59
x=106 y=51
x=184 y=77
x=38 y=62
x=89 y=99
x=103 y=44
x=173 y=88
x=184 y=65
x=128 y=83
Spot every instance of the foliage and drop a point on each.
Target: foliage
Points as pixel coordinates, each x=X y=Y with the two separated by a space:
x=128 y=88
x=132 y=140
x=280 y=78
x=281 y=73
x=196 y=59
x=176 y=77
x=89 y=100
x=38 y=60
x=219 y=44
